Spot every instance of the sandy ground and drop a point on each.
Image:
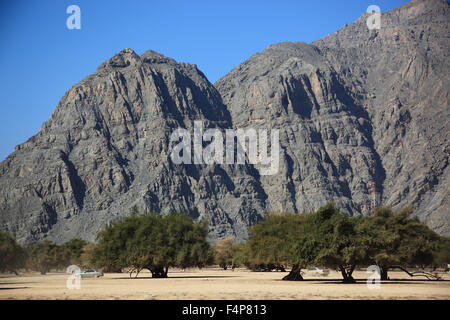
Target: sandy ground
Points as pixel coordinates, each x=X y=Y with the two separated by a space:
x=216 y=284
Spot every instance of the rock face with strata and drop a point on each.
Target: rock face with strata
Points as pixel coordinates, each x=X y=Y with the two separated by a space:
x=357 y=106
x=106 y=149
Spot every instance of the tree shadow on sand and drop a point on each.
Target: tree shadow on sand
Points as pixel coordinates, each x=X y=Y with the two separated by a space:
x=364 y=281
x=179 y=277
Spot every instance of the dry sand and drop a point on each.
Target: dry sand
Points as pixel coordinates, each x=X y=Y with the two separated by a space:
x=211 y=283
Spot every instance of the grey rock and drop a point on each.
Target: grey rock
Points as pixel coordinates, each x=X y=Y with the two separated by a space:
x=358 y=106
x=106 y=149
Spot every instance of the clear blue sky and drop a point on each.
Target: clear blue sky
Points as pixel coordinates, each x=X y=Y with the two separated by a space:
x=40 y=59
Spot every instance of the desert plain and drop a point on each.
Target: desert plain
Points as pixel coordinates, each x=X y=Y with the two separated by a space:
x=217 y=284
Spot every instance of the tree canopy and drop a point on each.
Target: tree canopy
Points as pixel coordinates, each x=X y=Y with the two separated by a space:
x=441 y=252
x=12 y=255
x=75 y=247
x=396 y=240
x=331 y=238
x=153 y=242
x=46 y=255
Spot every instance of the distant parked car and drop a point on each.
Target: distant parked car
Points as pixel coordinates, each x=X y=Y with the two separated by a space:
x=315 y=271
x=90 y=273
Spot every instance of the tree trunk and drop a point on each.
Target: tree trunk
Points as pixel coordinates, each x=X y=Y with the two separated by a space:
x=281 y=268
x=384 y=272
x=137 y=270
x=427 y=275
x=347 y=275
x=294 y=275
x=166 y=270
x=159 y=272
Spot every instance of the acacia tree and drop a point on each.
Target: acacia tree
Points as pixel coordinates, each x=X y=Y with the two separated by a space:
x=12 y=255
x=326 y=237
x=303 y=245
x=187 y=241
x=147 y=247
x=337 y=242
x=153 y=242
x=395 y=240
x=273 y=243
x=110 y=253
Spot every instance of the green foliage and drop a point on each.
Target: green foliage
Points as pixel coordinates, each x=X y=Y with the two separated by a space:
x=86 y=256
x=153 y=242
x=441 y=252
x=42 y=256
x=46 y=255
x=333 y=239
x=273 y=241
x=395 y=239
x=12 y=255
x=326 y=237
x=111 y=251
x=75 y=247
x=187 y=242
x=240 y=255
x=224 y=252
x=336 y=241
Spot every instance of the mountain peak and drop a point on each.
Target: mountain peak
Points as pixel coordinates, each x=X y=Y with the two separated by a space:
x=151 y=56
x=123 y=59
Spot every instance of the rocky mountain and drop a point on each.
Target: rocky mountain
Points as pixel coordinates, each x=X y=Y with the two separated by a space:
x=357 y=106
x=106 y=150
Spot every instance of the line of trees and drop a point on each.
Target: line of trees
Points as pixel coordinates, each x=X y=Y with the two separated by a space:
x=327 y=238
x=333 y=239
x=135 y=243
x=43 y=256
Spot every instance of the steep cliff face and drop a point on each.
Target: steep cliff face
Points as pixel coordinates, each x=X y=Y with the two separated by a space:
x=357 y=106
x=405 y=78
x=327 y=151
x=107 y=149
